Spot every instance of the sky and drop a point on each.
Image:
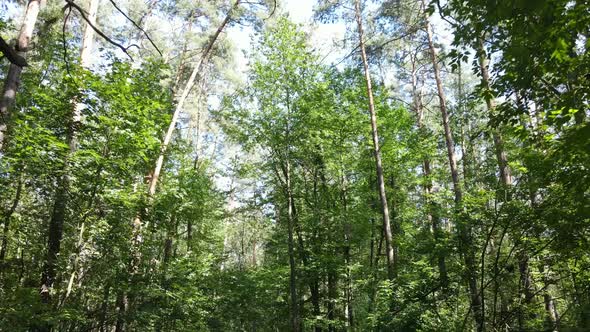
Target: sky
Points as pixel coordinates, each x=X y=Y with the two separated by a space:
x=322 y=35
x=300 y=11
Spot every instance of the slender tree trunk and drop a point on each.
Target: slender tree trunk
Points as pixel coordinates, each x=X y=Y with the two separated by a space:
x=7 y=217
x=12 y=80
x=313 y=283
x=137 y=224
x=295 y=319
x=552 y=317
x=254 y=261
x=58 y=215
x=189 y=85
x=468 y=155
x=313 y=278
x=76 y=266
x=502 y=159
x=389 y=241
x=375 y=267
x=463 y=227
x=527 y=289
x=432 y=213
x=348 y=313
x=166 y=257
x=122 y=304
x=332 y=284
x=526 y=281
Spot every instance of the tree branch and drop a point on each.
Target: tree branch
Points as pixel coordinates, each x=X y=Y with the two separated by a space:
x=136 y=25
x=11 y=54
x=70 y=4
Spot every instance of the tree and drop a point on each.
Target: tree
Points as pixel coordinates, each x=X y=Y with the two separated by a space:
x=12 y=79
x=58 y=216
x=261 y=200
x=390 y=252
x=463 y=226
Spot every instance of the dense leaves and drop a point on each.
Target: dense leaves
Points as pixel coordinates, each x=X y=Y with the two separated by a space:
x=267 y=214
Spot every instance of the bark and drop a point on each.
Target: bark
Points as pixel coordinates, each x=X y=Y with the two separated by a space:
x=254 y=261
x=313 y=283
x=189 y=235
x=389 y=240
x=463 y=226
x=58 y=215
x=55 y=234
x=375 y=266
x=137 y=224
x=166 y=257
x=12 y=80
x=526 y=287
x=468 y=155
x=526 y=282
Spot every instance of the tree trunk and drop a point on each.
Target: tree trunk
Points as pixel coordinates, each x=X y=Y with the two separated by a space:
x=62 y=193
x=137 y=224
x=527 y=288
x=166 y=257
x=77 y=267
x=552 y=317
x=122 y=304
x=12 y=80
x=104 y=308
x=432 y=213
x=502 y=159
x=376 y=149
x=463 y=227
x=526 y=281
x=189 y=85
x=348 y=313
x=332 y=284
x=295 y=319
x=7 y=217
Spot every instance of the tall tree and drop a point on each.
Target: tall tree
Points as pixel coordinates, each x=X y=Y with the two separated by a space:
x=58 y=215
x=389 y=238
x=12 y=80
x=463 y=226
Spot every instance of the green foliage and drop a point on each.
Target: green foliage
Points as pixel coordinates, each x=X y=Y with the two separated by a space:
x=293 y=158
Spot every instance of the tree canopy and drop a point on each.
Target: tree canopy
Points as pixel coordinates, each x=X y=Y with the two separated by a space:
x=429 y=172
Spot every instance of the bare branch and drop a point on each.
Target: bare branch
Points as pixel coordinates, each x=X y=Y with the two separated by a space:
x=70 y=4
x=137 y=26
x=274 y=8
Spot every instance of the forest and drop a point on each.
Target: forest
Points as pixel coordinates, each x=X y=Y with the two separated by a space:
x=295 y=165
